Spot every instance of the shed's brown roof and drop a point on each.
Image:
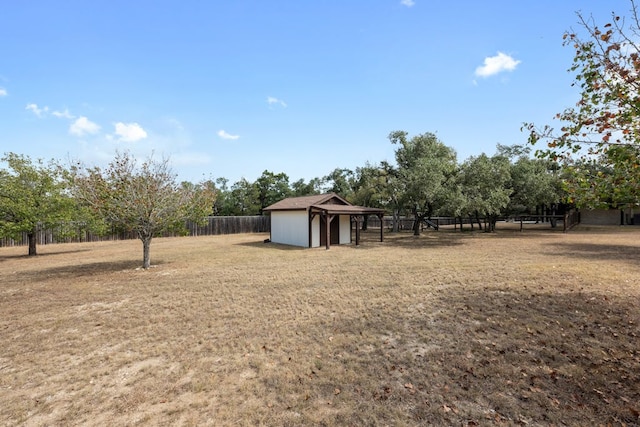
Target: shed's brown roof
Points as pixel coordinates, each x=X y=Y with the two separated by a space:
x=305 y=202
x=333 y=209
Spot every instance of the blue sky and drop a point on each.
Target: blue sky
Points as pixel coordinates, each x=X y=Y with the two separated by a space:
x=231 y=88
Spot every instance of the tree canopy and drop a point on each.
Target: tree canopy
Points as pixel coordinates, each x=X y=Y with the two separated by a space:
x=485 y=186
x=145 y=199
x=426 y=167
x=603 y=128
x=32 y=196
x=534 y=182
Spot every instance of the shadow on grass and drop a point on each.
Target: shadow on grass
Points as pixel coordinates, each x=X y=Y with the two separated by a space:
x=491 y=356
x=450 y=237
x=270 y=245
x=371 y=240
x=89 y=269
x=406 y=240
x=25 y=254
x=599 y=251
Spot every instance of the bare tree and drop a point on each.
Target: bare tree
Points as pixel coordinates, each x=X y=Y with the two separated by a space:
x=145 y=199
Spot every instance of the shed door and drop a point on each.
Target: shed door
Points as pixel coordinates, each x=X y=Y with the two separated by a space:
x=335 y=232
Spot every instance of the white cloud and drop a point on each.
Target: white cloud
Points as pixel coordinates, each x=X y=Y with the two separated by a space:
x=83 y=126
x=3 y=92
x=497 y=64
x=407 y=3
x=130 y=132
x=37 y=110
x=41 y=112
x=224 y=135
x=271 y=101
x=63 y=114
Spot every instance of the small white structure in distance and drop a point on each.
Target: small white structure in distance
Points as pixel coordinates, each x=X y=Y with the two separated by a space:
x=302 y=221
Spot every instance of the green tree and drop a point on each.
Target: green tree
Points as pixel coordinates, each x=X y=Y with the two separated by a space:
x=271 y=188
x=339 y=181
x=426 y=168
x=145 y=199
x=32 y=196
x=605 y=123
x=368 y=188
x=222 y=205
x=484 y=184
x=392 y=193
x=302 y=188
x=368 y=185
x=244 y=199
x=610 y=179
x=534 y=181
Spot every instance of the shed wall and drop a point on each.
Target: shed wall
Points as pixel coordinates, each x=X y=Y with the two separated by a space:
x=345 y=229
x=290 y=228
x=315 y=232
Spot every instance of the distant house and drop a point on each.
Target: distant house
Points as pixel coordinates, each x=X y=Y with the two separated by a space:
x=614 y=216
x=318 y=220
x=600 y=217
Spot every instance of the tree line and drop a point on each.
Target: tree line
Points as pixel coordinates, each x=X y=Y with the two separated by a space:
x=424 y=181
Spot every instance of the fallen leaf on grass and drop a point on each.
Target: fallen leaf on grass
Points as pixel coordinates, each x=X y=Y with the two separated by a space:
x=450 y=409
x=410 y=387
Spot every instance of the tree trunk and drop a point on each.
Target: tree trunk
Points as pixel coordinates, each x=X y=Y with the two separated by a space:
x=365 y=221
x=31 y=238
x=490 y=226
x=396 y=221
x=416 y=223
x=146 y=258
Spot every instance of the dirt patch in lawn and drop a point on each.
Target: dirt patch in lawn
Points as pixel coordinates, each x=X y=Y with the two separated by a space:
x=449 y=328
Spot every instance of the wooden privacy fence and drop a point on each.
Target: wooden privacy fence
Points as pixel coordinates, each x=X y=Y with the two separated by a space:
x=215 y=225
x=231 y=225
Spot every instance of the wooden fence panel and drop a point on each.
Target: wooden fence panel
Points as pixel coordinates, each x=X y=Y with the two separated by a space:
x=215 y=225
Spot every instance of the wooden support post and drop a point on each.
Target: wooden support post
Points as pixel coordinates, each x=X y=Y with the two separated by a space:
x=381 y=216
x=357 y=218
x=311 y=215
x=327 y=219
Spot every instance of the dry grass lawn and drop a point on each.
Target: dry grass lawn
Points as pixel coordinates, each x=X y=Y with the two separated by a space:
x=532 y=328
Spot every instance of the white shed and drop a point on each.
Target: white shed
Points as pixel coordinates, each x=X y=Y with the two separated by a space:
x=302 y=221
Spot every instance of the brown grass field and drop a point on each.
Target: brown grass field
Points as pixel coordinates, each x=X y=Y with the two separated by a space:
x=463 y=329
